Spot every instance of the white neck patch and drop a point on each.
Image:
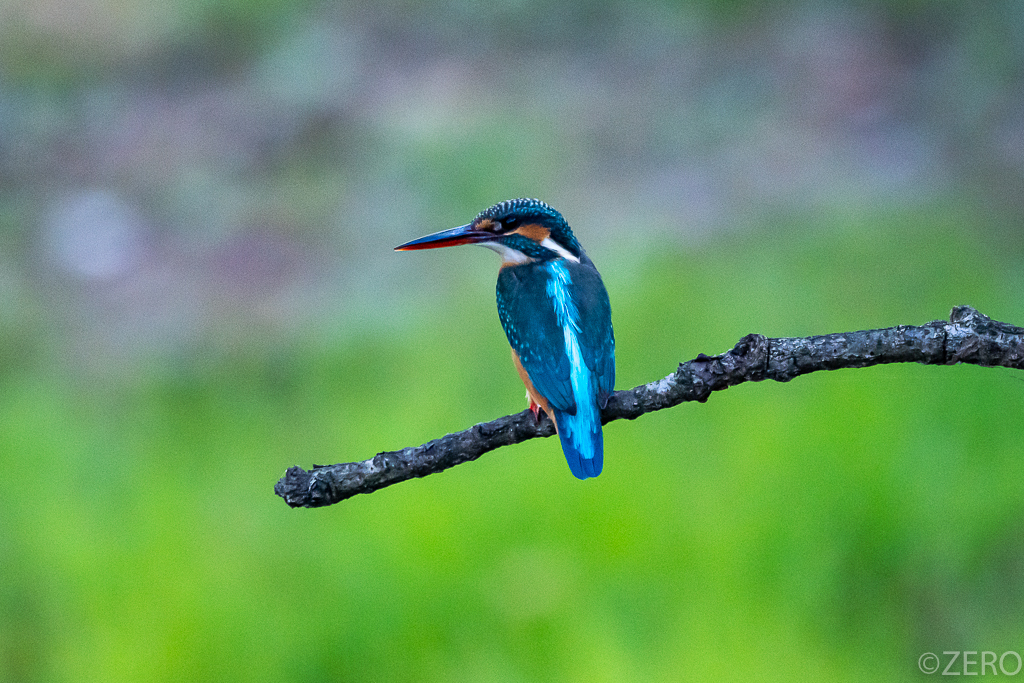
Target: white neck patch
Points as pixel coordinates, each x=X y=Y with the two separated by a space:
x=554 y=246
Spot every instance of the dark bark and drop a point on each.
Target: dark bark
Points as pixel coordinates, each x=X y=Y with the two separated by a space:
x=968 y=337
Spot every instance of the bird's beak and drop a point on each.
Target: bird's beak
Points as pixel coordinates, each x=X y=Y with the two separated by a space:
x=447 y=238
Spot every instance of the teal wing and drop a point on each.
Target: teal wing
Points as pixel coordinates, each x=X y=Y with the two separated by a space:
x=528 y=301
x=597 y=339
x=532 y=328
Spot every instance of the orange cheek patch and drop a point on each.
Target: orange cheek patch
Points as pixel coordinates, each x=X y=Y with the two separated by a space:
x=537 y=233
x=486 y=225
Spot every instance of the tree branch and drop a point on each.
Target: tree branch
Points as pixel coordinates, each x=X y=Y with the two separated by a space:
x=969 y=337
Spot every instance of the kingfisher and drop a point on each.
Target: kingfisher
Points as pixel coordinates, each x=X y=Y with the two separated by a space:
x=555 y=312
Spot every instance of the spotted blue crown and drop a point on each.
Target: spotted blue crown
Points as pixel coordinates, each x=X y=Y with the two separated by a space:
x=512 y=213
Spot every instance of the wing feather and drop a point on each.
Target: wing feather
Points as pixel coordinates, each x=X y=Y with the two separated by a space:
x=528 y=316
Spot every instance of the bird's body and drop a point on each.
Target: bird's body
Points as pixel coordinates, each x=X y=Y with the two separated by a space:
x=555 y=312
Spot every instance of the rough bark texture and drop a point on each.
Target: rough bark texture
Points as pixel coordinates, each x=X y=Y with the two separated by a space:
x=968 y=337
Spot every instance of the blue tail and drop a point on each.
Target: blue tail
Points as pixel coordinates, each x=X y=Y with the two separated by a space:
x=582 y=442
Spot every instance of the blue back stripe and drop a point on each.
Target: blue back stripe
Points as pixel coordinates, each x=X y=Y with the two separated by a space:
x=580 y=428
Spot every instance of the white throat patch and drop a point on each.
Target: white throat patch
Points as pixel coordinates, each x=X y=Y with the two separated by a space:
x=508 y=254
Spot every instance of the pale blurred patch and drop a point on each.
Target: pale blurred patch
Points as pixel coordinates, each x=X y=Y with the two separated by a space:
x=117 y=28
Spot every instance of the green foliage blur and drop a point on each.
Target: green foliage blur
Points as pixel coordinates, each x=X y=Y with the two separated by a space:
x=833 y=528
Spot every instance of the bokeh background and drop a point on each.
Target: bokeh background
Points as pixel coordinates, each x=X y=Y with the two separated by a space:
x=198 y=202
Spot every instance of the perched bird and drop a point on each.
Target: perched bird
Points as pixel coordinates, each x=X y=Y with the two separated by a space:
x=556 y=315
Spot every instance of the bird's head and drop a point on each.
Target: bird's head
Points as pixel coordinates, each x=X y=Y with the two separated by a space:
x=520 y=230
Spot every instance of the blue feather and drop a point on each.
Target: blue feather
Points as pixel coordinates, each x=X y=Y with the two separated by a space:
x=557 y=319
x=580 y=432
x=582 y=443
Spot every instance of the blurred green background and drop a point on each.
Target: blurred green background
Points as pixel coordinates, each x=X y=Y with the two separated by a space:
x=198 y=201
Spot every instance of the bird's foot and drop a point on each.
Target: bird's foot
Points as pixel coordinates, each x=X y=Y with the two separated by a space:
x=535 y=409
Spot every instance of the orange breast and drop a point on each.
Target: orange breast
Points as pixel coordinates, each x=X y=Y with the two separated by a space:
x=530 y=391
